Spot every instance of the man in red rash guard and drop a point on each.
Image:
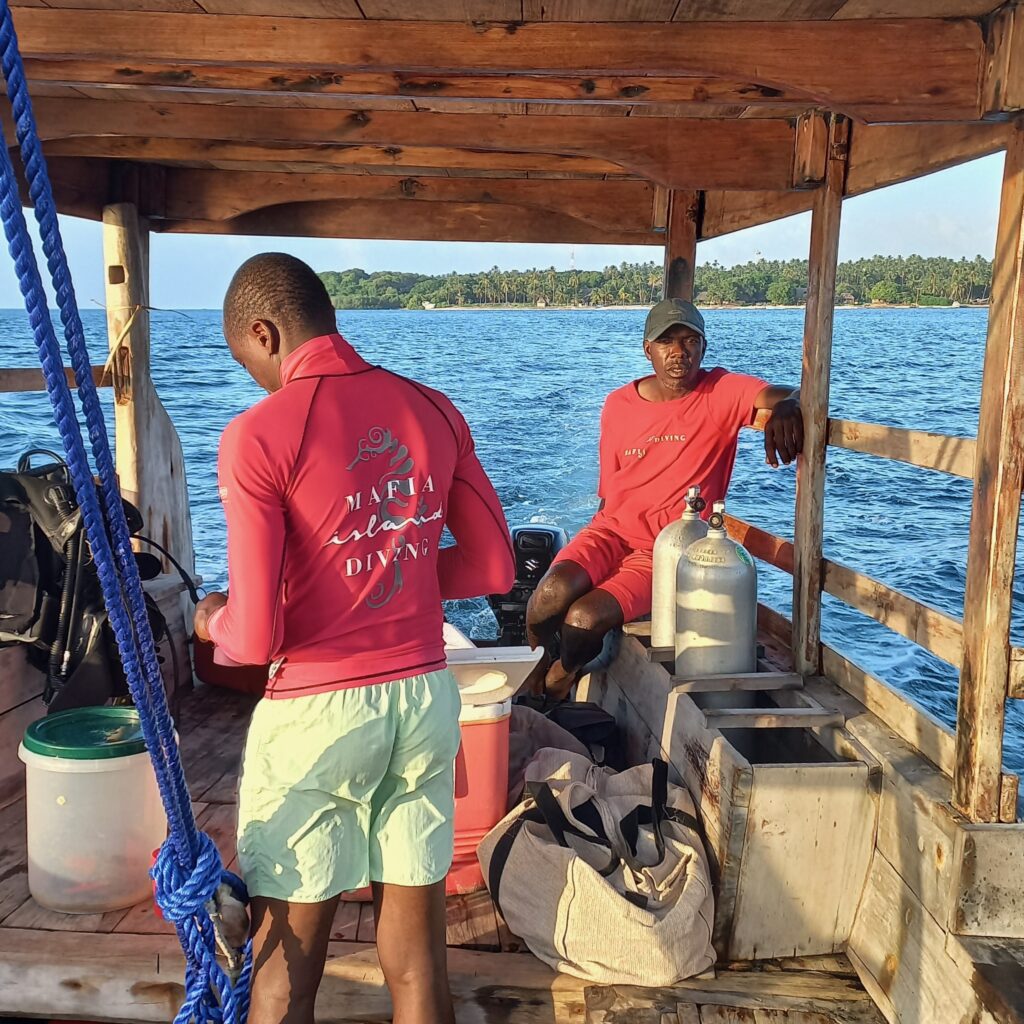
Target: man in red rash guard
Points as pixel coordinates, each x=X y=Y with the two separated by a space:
x=660 y=436
x=336 y=488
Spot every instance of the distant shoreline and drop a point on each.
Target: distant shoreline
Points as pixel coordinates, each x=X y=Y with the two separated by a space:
x=491 y=308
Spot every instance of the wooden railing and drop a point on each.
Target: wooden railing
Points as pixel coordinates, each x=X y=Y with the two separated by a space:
x=29 y=379
x=926 y=626
x=953 y=455
x=935 y=631
x=923 y=625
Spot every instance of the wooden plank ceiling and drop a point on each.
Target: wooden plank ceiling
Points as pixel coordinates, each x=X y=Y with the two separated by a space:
x=512 y=120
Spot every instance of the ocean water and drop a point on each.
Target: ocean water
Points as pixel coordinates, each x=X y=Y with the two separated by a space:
x=531 y=384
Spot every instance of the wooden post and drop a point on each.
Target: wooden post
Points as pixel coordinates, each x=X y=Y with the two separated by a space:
x=149 y=459
x=814 y=387
x=684 y=213
x=992 y=548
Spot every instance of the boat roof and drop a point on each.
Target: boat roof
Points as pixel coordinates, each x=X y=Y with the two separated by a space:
x=504 y=120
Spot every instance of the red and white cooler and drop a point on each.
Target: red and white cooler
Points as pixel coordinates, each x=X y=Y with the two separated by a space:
x=488 y=678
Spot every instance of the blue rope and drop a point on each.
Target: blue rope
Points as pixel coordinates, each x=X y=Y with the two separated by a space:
x=189 y=868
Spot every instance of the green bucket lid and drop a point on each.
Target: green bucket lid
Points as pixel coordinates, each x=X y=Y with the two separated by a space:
x=87 y=734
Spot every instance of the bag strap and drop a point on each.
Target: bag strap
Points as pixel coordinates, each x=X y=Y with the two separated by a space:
x=503 y=850
x=560 y=826
x=654 y=815
x=536 y=816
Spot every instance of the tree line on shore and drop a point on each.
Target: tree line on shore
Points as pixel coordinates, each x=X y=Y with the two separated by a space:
x=890 y=280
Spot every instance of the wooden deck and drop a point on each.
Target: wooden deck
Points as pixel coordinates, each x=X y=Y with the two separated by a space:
x=126 y=965
x=213 y=724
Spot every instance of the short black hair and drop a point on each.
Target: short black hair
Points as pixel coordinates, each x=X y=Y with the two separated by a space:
x=277 y=287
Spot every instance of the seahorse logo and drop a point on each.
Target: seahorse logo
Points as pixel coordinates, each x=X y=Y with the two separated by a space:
x=395 y=488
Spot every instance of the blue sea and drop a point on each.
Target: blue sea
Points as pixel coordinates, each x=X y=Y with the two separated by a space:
x=531 y=384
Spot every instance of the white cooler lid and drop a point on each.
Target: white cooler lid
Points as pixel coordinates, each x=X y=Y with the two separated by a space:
x=485 y=712
x=490 y=675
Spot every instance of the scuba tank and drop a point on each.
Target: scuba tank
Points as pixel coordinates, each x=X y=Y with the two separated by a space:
x=716 y=605
x=669 y=548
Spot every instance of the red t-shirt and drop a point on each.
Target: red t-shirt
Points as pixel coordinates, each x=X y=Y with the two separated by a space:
x=652 y=452
x=336 y=489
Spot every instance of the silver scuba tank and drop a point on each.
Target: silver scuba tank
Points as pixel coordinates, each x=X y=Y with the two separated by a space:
x=669 y=547
x=716 y=605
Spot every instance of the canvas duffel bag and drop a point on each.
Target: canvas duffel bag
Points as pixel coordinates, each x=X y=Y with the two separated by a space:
x=603 y=874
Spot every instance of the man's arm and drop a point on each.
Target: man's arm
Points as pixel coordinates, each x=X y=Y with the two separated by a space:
x=784 y=431
x=481 y=560
x=607 y=461
x=244 y=628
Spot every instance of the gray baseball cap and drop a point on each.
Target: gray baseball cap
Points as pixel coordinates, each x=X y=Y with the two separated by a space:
x=670 y=312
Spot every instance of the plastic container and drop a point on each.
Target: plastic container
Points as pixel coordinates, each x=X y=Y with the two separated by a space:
x=93 y=809
x=481 y=787
x=488 y=678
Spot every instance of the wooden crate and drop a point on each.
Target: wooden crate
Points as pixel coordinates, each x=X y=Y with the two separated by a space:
x=789 y=826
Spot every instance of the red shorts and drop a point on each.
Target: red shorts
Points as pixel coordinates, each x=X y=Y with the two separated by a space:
x=614 y=567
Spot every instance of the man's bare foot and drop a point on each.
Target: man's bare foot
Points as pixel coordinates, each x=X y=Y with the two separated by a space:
x=558 y=682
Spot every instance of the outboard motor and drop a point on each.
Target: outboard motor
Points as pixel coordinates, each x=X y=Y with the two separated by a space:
x=535 y=547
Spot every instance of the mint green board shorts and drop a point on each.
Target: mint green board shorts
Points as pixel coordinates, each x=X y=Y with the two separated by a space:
x=343 y=788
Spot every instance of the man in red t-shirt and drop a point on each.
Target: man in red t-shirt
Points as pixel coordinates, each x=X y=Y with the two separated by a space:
x=660 y=436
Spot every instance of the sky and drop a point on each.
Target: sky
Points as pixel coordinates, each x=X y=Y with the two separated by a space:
x=952 y=213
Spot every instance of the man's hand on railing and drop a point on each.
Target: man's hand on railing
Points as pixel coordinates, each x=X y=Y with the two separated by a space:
x=784 y=433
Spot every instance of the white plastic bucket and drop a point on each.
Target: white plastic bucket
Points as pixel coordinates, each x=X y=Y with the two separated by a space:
x=93 y=822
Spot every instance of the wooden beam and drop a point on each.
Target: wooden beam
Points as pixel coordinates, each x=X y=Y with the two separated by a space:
x=811 y=150
x=879 y=156
x=929 y=736
x=27 y=379
x=725 y=212
x=138 y=978
x=772 y=718
x=953 y=455
x=659 y=209
x=1003 y=86
x=814 y=391
x=239 y=84
x=1009 y=798
x=761 y=544
x=746 y=681
x=995 y=512
x=945 y=55
x=697 y=153
x=682 y=232
x=332 y=101
x=149 y=459
x=213 y=195
x=406 y=219
x=882 y=155
x=326 y=157
x=927 y=627
x=774 y=625
x=1016 y=687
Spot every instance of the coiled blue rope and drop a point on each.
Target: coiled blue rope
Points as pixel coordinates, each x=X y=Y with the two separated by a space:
x=189 y=868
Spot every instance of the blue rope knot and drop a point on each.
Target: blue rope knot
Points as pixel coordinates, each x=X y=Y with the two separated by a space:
x=181 y=895
x=184 y=898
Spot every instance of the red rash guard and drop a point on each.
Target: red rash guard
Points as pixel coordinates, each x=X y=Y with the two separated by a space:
x=652 y=452
x=336 y=489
